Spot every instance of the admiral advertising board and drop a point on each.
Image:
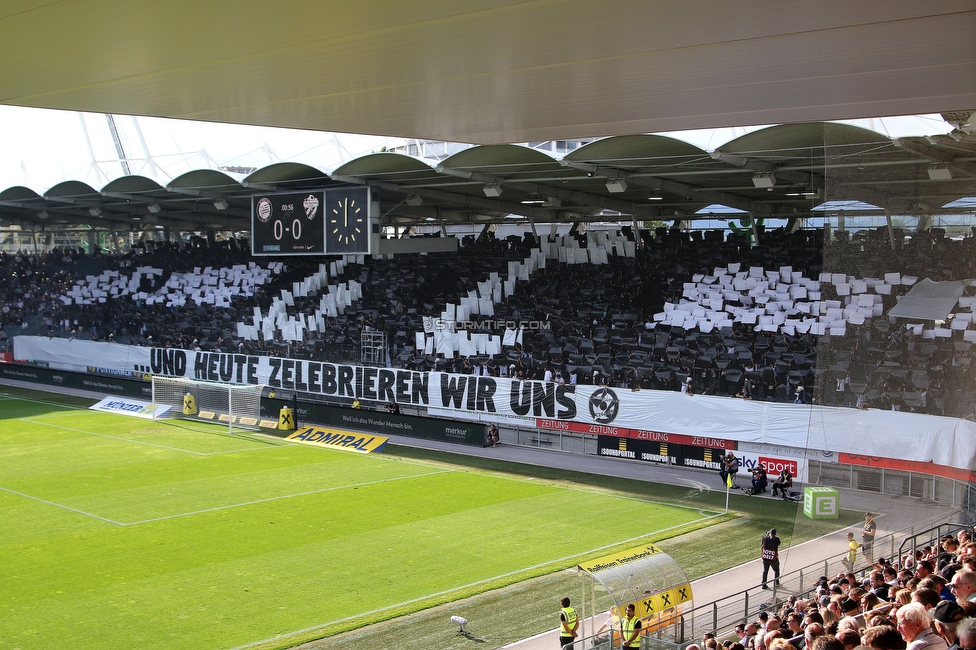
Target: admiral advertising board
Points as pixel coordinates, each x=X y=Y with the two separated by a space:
x=379 y=422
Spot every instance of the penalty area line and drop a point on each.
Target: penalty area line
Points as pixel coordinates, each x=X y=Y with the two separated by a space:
x=137 y=442
x=63 y=507
x=279 y=498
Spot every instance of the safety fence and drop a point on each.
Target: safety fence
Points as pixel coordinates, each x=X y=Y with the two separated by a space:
x=721 y=616
x=937 y=489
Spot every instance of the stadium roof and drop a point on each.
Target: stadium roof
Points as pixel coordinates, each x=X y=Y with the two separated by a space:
x=781 y=172
x=492 y=71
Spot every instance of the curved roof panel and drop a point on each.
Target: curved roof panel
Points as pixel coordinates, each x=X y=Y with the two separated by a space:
x=804 y=137
x=288 y=173
x=635 y=149
x=497 y=155
x=73 y=190
x=133 y=185
x=205 y=180
x=18 y=193
x=387 y=166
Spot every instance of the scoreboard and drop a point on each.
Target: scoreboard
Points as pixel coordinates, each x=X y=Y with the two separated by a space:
x=323 y=222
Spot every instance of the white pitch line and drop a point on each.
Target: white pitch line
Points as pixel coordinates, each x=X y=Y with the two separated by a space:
x=555 y=484
x=225 y=507
x=63 y=507
x=38 y=401
x=593 y=490
x=139 y=442
x=452 y=590
x=279 y=498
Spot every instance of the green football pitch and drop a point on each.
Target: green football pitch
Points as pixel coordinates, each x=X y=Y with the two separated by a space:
x=120 y=532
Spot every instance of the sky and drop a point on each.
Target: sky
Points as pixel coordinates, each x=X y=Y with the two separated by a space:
x=41 y=148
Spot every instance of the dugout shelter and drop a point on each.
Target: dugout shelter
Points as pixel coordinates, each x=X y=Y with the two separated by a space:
x=647 y=577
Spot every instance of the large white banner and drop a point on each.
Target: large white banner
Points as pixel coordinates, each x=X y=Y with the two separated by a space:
x=591 y=409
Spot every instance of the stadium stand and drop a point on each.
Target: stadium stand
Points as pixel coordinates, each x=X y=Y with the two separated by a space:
x=767 y=322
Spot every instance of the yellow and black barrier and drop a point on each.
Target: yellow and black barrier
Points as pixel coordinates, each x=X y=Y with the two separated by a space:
x=286 y=419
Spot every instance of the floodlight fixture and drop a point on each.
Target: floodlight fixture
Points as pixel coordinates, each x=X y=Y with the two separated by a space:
x=414 y=200
x=42 y=214
x=154 y=208
x=221 y=204
x=492 y=189
x=764 y=180
x=939 y=172
x=95 y=211
x=616 y=185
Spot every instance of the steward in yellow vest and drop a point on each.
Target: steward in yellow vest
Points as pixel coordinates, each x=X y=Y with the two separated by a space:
x=568 y=625
x=631 y=628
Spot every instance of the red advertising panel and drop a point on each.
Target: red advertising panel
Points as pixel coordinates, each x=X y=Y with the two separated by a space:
x=638 y=434
x=907 y=466
x=776 y=465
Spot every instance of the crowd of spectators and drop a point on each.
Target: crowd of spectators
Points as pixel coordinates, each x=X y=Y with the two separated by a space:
x=598 y=325
x=922 y=601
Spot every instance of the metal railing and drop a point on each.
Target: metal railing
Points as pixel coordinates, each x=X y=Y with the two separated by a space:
x=920 y=485
x=945 y=491
x=721 y=616
x=927 y=537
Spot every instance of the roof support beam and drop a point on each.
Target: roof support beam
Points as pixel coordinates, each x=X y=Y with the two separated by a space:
x=673 y=187
x=813 y=179
x=470 y=202
x=585 y=198
x=930 y=153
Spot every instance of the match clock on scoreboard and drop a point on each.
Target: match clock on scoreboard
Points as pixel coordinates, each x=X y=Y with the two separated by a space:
x=288 y=224
x=347 y=220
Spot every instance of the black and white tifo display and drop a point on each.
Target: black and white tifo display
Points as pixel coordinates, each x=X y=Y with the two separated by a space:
x=335 y=221
x=700 y=420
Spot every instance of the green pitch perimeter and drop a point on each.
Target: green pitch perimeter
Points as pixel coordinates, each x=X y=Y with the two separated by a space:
x=120 y=532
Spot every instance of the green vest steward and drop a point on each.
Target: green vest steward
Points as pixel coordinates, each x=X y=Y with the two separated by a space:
x=627 y=626
x=570 y=615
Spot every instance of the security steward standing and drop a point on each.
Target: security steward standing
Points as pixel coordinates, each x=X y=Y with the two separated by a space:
x=770 y=556
x=568 y=625
x=630 y=628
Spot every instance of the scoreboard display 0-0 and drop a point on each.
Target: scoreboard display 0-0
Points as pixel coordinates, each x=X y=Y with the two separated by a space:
x=335 y=221
x=288 y=224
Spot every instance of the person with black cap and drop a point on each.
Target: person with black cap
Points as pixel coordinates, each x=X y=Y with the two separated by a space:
x=946 y=616
x=850 y=607
x=770 y=556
